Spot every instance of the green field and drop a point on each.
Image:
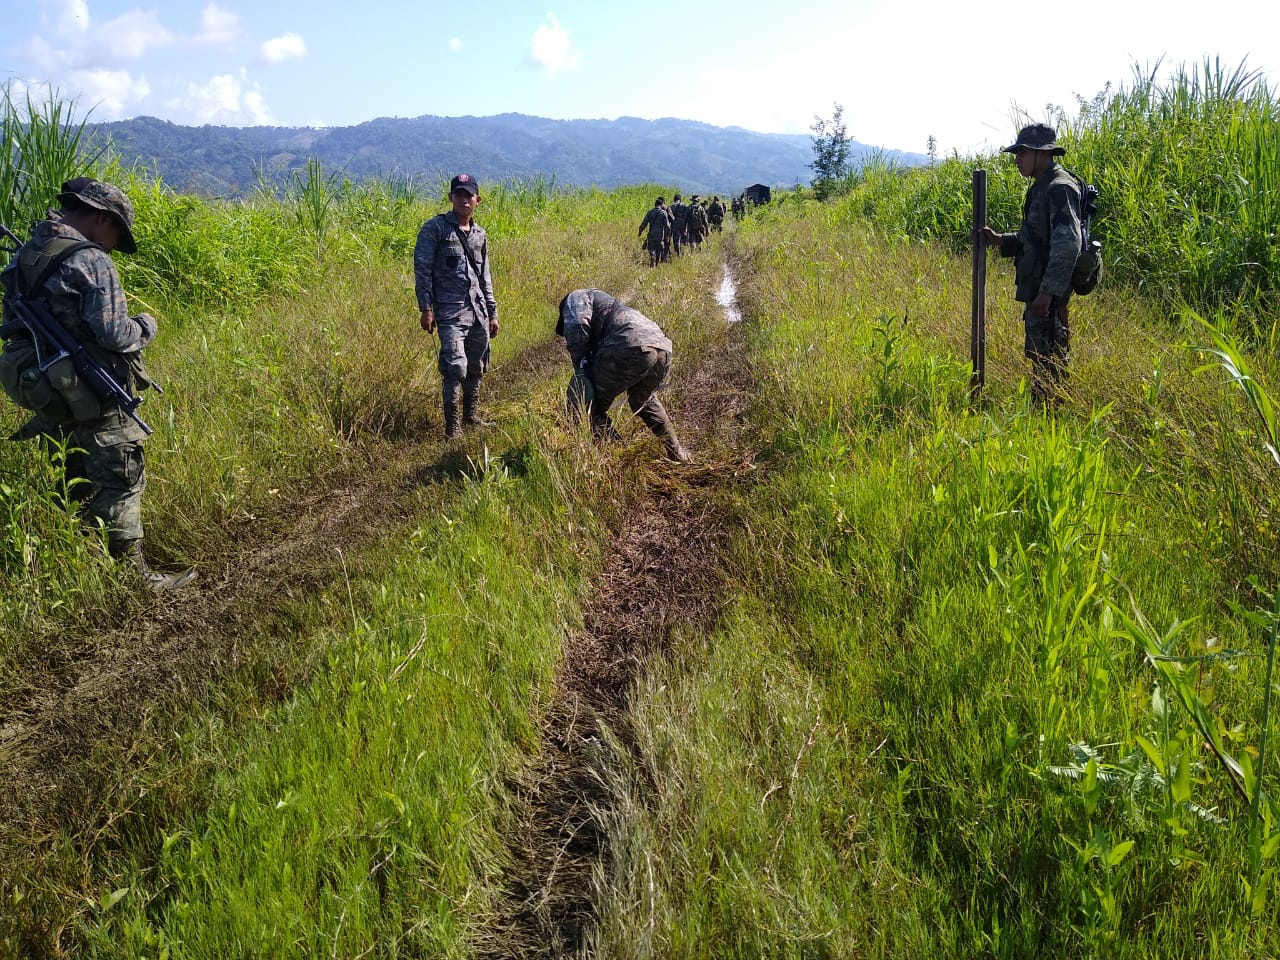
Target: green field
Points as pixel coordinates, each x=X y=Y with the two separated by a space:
x=891 y=671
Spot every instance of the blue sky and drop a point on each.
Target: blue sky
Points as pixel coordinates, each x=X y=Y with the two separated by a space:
x=902 y=70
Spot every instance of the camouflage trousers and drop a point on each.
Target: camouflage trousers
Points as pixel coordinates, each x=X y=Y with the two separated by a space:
x=1047 y=344
x=464 y=346
x=638 y=371
x=106 y=473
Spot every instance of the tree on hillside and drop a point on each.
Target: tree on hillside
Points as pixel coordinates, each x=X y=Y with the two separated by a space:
x=830 y=152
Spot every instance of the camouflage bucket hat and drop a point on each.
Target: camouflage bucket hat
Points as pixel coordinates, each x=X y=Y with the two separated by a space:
x=108 y=198
x=1037 y=136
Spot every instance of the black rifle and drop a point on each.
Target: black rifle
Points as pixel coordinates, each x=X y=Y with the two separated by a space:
x=53 y=343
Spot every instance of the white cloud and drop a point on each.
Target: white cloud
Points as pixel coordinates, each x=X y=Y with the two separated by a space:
x=455 y=44
x=218 y=25
x=224 y=100
x=73 y=17
x=109 y=94
x=552 y=49
x=285 y=47
x=131 y=35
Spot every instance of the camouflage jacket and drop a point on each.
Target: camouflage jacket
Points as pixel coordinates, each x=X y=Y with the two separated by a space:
x=594 y=322
x=658 y=224
x=1046 y=246
x=443 y=277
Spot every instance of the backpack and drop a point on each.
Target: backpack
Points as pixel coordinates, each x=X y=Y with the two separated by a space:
x=1088 y=268
x=51 y=388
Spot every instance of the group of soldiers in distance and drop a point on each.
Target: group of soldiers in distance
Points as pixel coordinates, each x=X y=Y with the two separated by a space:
x=680 y=225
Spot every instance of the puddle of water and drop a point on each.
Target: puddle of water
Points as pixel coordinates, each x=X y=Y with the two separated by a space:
x=727 y=297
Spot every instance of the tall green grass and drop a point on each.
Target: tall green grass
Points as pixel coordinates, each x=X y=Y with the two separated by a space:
x=933 y=724
x=1187 y=169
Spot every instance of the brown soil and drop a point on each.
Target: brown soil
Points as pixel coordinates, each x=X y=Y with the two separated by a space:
x=664 y=576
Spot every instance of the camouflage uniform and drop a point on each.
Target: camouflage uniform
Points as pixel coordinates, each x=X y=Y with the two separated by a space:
x=697 y=224
x=715 y=214
x=85 y=295
x=445 y=281
x=679 y=223
x=619 y=349
x=1044 y=251
x=659 y=227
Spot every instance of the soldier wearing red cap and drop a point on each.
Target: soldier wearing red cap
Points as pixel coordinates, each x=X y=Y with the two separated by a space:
x=455 y=297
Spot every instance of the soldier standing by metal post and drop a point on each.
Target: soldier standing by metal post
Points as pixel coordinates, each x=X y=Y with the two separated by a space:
x=455 y=296
x=1044 y=249
x=67 y=265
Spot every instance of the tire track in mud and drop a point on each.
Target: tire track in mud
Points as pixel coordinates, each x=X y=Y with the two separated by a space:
x=664 y=576
x=175 y=648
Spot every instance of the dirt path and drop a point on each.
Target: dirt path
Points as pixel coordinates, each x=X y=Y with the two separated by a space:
x=664 y=576
x=66 y=737
x=53 y=731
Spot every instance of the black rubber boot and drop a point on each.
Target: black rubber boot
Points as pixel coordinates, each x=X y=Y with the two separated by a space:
x=452 y=427
x=471 y=404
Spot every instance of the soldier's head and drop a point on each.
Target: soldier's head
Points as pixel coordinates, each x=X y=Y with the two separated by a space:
x=1035 y=148
x=100 y=211
x=659 y=202
x=464 y=194
x=676 y=198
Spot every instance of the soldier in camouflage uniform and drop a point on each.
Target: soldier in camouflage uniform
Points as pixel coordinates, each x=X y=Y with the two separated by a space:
x=715 y=214
x=104 y=466
x=455 y=296
x=619 y=349
x=1044 y=251
x=658 y=223
x=679 y=223
x=697 y=222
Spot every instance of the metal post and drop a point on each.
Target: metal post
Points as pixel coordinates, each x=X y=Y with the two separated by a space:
x=978 y=325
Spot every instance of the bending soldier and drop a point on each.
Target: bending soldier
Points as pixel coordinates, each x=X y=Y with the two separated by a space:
x=455 y=295
x=617 y=348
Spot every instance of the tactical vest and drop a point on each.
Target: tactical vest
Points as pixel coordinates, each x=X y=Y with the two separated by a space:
x=53 y=390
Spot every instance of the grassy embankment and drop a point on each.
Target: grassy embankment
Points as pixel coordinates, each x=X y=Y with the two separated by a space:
x=997 y=681
x=339 y=787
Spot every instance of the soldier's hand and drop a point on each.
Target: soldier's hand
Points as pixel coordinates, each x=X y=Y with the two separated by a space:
x=992 y=238
x=428 y=320
x=493 y=328
x=1040 y=305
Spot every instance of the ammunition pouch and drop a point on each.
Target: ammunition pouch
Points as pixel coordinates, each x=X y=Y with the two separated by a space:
x=56 y=393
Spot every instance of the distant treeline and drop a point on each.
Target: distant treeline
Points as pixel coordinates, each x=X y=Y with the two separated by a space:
x=695 y=157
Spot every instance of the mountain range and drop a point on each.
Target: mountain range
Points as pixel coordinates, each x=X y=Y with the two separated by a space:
x=690 y=156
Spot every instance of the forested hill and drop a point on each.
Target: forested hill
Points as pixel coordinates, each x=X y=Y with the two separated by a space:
x=694 y=157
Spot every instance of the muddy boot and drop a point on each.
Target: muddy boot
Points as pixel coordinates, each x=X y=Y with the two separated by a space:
x=452 y=426
x=676 y=451
x=604 y=431
x=156 y=581
x=471 y=403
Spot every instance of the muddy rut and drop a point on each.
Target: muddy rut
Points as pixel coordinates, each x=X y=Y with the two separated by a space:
x=664 y=575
